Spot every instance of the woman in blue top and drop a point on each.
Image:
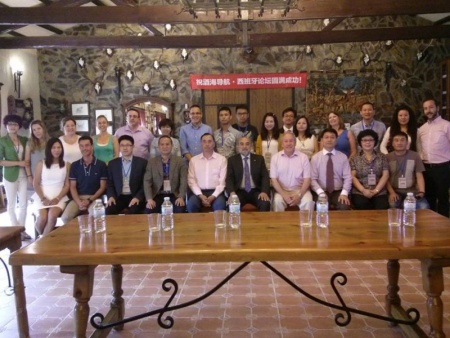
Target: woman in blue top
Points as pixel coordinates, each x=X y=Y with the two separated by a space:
x=106 y=146
x=346 y=141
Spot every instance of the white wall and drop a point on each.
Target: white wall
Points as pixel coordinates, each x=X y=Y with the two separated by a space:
x=27 y=59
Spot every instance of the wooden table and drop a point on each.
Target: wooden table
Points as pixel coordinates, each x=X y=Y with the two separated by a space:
x=352 y=235
x=10 y=238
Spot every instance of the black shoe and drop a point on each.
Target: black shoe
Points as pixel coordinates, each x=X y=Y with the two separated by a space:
x=24 y=236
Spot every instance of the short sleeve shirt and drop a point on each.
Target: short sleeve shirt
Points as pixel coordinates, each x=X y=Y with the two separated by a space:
x=88 y=177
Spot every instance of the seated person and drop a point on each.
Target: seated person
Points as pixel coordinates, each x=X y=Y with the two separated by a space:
x=88 y=177
x=330 y=172
x=247 y=176
x=206 y=177
x=166 y=176
x=290 y=173
x=125 y=176
x=405 y=173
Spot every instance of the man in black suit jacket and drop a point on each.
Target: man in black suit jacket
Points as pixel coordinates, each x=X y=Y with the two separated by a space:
x=256 y=188
x=125 y=180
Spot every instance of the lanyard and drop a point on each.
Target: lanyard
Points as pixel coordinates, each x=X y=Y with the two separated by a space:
x=268 y=142
x=126 y=172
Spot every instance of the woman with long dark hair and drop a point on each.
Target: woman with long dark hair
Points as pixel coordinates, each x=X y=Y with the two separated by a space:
x=51 y=183
x=403 y=120
x=267 y=143
x=306 y=142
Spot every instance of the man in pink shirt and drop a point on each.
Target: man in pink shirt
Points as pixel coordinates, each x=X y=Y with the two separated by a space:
x=291 y=176
x=206 y=177
x=434 y=138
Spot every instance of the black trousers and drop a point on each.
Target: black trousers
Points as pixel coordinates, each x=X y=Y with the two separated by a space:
x=122 y=202
x=377 y=202
x=437 y=183
x=252 y=198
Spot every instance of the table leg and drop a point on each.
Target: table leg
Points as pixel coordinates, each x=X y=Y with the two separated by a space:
x=433 y=284
x=82 y=291
x=117 y=302
x=21 y=302
x=392 y=298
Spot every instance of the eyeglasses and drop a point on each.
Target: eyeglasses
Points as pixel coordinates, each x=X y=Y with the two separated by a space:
x=367 y=140
x=12 y=124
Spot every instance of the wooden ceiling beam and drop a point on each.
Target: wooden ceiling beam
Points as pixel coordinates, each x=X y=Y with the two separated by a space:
x=161 y=14
x=229 y=41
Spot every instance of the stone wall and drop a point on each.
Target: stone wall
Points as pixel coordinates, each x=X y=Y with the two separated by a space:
x=400 y=75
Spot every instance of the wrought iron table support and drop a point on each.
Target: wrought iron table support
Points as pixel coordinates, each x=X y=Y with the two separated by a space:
x=340 y=319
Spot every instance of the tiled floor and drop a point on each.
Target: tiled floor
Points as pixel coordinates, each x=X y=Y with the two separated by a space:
x=256 y=303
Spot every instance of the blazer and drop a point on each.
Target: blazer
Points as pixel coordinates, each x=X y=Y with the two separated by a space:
x=8 y=153
x=115 y=177
x=154 y=177
x=258 y=171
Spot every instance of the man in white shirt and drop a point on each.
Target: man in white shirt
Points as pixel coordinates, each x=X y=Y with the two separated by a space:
x=288 y=116
x=206 y=177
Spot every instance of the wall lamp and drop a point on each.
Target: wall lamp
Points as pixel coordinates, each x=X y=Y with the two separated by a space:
x=17 y=75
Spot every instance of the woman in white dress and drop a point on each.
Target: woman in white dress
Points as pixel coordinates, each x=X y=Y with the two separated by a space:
x=51 y=185
x=267 y=143
x=69 y=140
x=306 y=142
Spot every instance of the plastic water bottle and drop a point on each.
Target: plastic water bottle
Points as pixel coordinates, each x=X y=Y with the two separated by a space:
x=322 y=211
x=167 y=214
x=409 y=210
x=235 y=212
x=98 y=212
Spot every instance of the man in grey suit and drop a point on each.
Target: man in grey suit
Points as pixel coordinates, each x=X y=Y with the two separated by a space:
x=247 y=176
x=166 y=176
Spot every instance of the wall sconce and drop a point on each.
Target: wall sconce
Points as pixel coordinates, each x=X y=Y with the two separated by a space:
x=168 y=27
x=156 y=64
x=172 y=84
x=98 y=88
x=339 y=60
x=308 y=50
x=17 y=75
x=366 y=60
x=184 y=54
x=81 y=62
x=389 y=44
x=129 y=75
x=109 y=52
x=146 y=88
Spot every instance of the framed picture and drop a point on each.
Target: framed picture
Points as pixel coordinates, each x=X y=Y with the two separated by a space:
x=107 y=112
x=83 y=125
x=80 y=109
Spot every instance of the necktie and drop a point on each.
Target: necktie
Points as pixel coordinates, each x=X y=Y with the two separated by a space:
x=247 y=182
x=330 y=174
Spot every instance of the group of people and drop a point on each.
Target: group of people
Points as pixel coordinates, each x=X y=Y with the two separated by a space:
x=366 y=167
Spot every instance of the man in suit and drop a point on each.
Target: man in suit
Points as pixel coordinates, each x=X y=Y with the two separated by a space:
x=247 y=176
x=166 y=176
x=125 y=176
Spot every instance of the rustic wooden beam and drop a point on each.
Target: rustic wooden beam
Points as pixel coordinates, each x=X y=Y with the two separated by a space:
x=161 y=14
x=229 y=41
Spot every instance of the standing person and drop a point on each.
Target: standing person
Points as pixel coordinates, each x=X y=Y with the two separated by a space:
x=368 y=122
x=288 y=116
x=70 y=139
x=51 y=185
x=142 y=136
x=206 y=178
x=12 y=159
x=190 y=134
x=125 y=176
x=403 y=120
x=165 y=176
x=346 y=141
x=226 y=136
x=106 y=146
x=290 y=173
x=370 y=171
x=88 y=177
x=247 y=177
x=268 y=142
x=306 y=142
x=243 y=122
x=405 y=173
x=338 y=184
x=434 y=138
x=167 y=127
x=35 y=151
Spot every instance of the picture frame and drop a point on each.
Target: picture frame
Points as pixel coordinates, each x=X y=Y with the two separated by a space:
x=107 y=112
x=83 y=125
x=80 y=109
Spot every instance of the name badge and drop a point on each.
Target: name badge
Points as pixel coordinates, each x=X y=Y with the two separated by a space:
x=166 y=185
x=267 y=157
x=402 y=182
x=372 y=179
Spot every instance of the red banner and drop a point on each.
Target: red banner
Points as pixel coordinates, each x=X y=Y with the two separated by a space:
x=246 y=81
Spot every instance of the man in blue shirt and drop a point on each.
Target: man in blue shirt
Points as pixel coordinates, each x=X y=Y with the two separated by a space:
x=88 y=177
x=190 y=134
